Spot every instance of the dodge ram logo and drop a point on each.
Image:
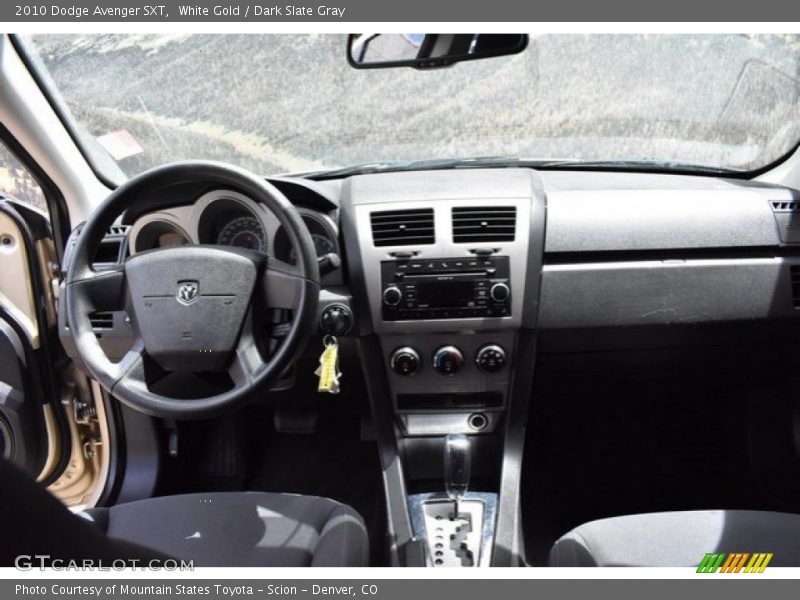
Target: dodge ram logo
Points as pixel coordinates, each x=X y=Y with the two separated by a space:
x=187 y=292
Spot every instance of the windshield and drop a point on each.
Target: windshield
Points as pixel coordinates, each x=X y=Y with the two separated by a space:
x=291 y=103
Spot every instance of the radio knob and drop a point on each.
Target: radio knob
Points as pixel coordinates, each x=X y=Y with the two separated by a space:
x=404 y=361
x=448 y=360
x=490 y=358
x=392 y=296
x=500 y=292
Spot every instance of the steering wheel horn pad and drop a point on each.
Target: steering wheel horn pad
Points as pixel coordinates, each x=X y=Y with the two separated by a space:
x=189 y=303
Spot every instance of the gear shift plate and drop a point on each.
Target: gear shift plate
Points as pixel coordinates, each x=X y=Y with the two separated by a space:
x=453 y=540
x=476 y=521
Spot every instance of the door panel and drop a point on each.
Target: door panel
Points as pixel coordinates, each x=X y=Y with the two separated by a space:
x=22 y=433
x=29 y=431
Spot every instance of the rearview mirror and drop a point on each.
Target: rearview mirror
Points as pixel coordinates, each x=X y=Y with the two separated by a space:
x=428 y=50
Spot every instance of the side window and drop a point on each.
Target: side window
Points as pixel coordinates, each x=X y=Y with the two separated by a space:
x=17 y=181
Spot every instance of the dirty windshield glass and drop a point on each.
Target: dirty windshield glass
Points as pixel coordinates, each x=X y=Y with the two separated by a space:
x=291 y=103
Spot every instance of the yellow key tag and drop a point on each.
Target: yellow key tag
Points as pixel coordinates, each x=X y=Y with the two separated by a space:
x=328 y=369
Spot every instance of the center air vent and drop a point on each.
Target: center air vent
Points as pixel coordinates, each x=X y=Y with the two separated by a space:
x=402 y=227
x=102 y=320
x=484 y=224
x=787 y=217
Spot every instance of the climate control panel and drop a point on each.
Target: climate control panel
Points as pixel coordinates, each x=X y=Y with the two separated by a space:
x=448 y=359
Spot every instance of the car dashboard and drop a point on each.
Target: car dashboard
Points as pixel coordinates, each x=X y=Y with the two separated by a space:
x=467 y=258
x=451 y=287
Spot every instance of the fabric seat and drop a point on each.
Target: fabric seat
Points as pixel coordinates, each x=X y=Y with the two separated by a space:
x=679 y=539
x=219 y=529
x=246 y=529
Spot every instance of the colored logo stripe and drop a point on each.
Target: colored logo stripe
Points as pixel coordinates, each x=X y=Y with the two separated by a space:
x=734 y=562
x=711 y=562
x=758 y=563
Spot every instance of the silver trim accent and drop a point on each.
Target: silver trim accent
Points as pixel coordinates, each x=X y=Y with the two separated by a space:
x=399 y=299
x=472 y=500
x=188 y=292
x=443 y=423
x=186 y=219
x=500 y=286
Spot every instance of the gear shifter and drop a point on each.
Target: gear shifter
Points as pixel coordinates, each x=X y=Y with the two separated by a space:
x=458 y=530
x=457 y=467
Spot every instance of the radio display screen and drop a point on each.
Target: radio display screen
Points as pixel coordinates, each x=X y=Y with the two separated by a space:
x=444 y=294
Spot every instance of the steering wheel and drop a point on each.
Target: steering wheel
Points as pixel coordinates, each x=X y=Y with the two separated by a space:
x=193 y=308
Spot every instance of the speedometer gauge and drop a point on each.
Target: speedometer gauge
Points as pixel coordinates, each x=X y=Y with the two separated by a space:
x=322 y=244
x=243 y=232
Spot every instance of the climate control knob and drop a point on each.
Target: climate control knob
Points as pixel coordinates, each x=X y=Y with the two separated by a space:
x=490 y=358
x=404 y=361
x=447 y=360
x=392 y=296
x=500 y=292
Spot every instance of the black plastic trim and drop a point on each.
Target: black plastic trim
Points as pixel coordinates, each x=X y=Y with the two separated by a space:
x=117 y=454
x=612 y=256
x=399 y=522
x=509 y=547
x=537 y=229
x=30 y=384
x=355 y=266
x=399 y=529
x=134 y=468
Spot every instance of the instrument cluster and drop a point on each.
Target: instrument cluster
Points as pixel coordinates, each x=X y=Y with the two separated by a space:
x=227 y=218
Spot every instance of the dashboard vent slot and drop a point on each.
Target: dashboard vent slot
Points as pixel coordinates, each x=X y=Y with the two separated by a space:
x=787 y=218
x=484 y=224
x=784 y=206
x=121 y=230
x=402 y=227
x=102 y=320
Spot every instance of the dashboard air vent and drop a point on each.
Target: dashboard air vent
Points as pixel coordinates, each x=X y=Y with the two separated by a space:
x=784 y=206
x=121 y=230
x=403 y=227
x=787 y=217
x=102 y=320
x=484 y=224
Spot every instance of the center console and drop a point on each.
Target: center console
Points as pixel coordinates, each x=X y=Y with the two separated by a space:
x=445 y=269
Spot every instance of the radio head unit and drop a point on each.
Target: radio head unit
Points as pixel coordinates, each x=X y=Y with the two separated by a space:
x=445 y=288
